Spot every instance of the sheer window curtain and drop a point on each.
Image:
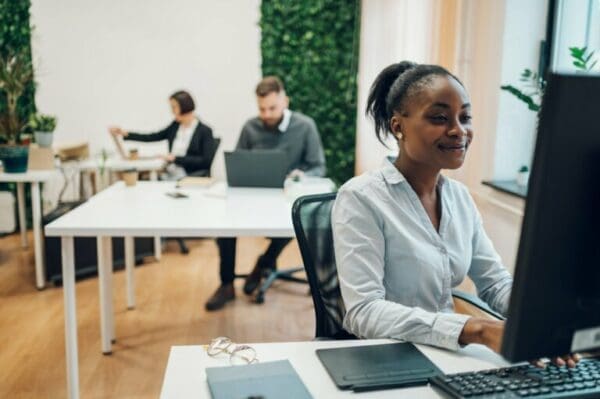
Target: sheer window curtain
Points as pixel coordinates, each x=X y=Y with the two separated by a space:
x=391 y=31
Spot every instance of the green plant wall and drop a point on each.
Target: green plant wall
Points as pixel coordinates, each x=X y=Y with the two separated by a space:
x=313 y=47
x=15 y=36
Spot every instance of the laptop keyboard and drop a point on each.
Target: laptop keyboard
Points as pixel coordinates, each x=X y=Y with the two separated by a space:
x=525 y=381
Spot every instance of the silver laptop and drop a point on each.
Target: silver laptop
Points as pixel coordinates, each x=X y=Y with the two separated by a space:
x=256 y=168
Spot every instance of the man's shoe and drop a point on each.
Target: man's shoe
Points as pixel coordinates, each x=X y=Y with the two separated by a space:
x=253 y=280
x=263 y=268
x=222 y=295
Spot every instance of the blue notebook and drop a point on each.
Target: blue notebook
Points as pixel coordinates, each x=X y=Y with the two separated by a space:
x=262 y=380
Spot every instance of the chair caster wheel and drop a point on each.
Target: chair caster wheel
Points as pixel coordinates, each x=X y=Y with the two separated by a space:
x=260 y=298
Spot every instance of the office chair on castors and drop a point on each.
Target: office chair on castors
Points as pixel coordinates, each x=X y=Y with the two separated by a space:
x=311 y=216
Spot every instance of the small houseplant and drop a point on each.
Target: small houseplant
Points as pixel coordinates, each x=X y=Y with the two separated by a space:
x=533 y=84
x=43 y=127
x=523 y=176
x=16 y=71
x=532 y=90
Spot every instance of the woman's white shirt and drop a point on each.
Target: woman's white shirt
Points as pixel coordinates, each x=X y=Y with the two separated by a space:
x=183 y=138
x=397 y=272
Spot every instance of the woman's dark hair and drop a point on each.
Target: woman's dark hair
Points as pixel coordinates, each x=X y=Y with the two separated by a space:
x=394 y=86
x=185 y=101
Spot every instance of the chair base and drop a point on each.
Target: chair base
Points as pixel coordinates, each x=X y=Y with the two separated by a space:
x=286 y=275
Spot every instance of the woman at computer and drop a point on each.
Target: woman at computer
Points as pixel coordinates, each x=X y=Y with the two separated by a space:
x=191 y=143
x=405 y=235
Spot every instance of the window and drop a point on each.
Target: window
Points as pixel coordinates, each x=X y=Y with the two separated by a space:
x=576 y=24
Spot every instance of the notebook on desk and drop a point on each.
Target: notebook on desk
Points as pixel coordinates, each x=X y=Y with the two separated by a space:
x=371 y=367
x=262 y=380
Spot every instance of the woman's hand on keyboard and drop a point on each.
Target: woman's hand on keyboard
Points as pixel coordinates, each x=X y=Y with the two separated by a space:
x=568 y=360
x=482 y=331
x=490 y=332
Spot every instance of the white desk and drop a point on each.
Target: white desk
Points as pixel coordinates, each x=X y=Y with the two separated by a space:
x=35 y=177
x=118 y=164
x=185 y=376
x=145 y=210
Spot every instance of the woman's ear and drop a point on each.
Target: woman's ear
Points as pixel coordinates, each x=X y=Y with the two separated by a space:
x=396 y=126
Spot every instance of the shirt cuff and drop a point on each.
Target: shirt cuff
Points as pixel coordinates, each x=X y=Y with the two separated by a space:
x=447 y=328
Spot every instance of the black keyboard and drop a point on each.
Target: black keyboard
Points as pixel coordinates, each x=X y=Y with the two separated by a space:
x=525 y=381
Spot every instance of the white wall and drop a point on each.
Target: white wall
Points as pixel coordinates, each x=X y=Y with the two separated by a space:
x=117 y=61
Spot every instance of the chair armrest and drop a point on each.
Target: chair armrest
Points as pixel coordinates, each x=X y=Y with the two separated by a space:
x=474 y=301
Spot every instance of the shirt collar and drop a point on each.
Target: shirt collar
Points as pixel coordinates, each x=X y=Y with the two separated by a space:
x=392 y=175
x=192 y=126
x=285 y=122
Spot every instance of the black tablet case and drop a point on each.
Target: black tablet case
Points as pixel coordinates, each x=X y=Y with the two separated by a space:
x=371 y=367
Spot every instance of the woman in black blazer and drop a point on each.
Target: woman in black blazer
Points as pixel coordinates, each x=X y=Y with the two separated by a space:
x=191 y=143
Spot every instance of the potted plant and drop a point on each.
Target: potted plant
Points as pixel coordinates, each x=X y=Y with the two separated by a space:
x=16 y=72
x=533 y=84
x=532 y=90
x=523 y=176
x=43 y=127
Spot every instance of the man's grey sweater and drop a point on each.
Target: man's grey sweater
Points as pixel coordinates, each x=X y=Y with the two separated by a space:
x=300 y=140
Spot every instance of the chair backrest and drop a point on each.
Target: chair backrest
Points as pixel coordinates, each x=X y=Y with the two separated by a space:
x=216 y=143
x=311 y=216
x=206 y=172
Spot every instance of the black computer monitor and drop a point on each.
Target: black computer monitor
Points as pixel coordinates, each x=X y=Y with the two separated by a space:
x=555 y=302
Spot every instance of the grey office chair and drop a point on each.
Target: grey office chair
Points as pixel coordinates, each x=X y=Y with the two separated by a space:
x=311 y=216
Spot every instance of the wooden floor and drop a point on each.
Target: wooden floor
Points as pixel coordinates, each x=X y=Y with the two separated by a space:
x=170 y=311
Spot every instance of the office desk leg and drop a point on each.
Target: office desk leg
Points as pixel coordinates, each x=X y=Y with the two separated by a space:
x=129 y=271
x=157 y=245
x=21 y=206
x=68 y=273
x=36 y=206
x=107 y=327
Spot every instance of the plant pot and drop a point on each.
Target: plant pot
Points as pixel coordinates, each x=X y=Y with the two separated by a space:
x=14 y=158
x=523 y=179
x=44 y=139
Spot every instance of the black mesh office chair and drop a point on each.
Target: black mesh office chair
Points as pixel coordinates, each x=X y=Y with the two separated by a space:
x=200 y=173
x=311 y=216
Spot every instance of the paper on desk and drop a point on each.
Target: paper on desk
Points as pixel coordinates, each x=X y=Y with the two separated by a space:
x=194 y=181
x=268 y=380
